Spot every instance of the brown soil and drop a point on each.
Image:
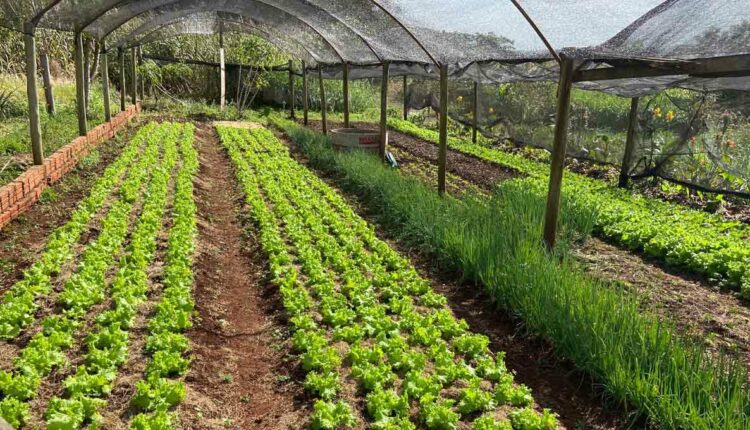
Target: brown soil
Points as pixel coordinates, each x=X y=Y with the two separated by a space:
x=556 y=384
x=240 y=376
x=23 y=239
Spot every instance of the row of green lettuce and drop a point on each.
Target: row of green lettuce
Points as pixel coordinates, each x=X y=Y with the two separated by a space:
x=639 y=360
x=699 y=241
x=358 y=308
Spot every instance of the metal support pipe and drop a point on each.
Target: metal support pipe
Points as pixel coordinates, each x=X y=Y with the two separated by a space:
x=305 y=95
x=105 y=81
x=49 y=96
x=558 y=152
x=443 y=148
x=384 y=111
x=291 y=90
x=629 y=143
x=406 y=100
x=35 y=130
x=475 y=126
x=323 y=106
x=346 y=95
x=121 y=58
x=134 y=77
x=80 y=89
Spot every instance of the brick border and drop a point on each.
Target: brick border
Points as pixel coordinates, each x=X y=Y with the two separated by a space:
x=19 y=195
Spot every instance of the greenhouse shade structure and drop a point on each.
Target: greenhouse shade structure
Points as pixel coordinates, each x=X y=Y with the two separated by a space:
x=699 y=44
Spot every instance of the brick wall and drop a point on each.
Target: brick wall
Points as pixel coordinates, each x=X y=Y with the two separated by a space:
x=19 y=195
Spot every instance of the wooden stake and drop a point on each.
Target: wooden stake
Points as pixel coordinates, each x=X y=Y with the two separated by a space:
x=346 y=95
x=291 y=91
x=105 y=81
x=123 y=91
x=80 y=89
x=629 y=143
x=305 y=94
x=35 y=130
x=384 y=111
x=47 y=80
x=443 y=149
x=134 y=77
x=406 y=100
x=558 y=152
x=475 y=128
x=323 y=106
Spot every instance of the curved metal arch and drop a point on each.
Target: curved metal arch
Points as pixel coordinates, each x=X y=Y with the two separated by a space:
x=249 y=27
x=407 y=30
x=294 y=17
x=326 y=12
x=38 y=17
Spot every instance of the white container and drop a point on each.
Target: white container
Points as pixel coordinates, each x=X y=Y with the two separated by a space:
x=347 y=139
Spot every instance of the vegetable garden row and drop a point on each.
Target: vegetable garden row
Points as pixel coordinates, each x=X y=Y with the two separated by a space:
x=361 y=314
x=95 y=308
x=704 y=243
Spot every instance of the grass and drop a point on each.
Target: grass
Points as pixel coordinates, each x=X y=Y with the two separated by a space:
x=57 y=130
x=639 y=360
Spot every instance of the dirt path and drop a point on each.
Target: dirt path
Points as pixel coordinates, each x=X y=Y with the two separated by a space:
x=240 y=376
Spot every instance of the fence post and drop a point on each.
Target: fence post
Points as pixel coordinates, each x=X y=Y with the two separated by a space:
x=105 y=81
x=29 y=43
x=323 y=106
x=443 y=149
x=80 y=88
x=305 y=94
x=629 y=143
x=47 y=81
x=134 y=77
x=222 y=72
x=123 y=91
x=558 y=152
x=346 y=95
x=384 y=110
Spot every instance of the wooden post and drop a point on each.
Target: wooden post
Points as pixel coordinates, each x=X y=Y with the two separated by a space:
x=406 y=100
x=86 y=72
x=80 y=89
x=35 y=130
x=346 y=95
x=222 y=72
x=384 y=110
x=443 y=149
x=239 y=89
x=47 y=81
x=123 y=91
x=142 y=86
x=323 y=106
x=291 y=91
x=629 y=143
x=305 y=94
x=134 y=77
x=105 y=81
x=558 y=152
x=475 y=128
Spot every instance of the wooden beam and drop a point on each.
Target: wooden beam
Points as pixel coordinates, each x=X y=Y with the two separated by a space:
x=406 y=100
x=384 y=111
x=558 y=152
x=443 y=128
x=346 y=95
x=80 y=89
x=29 y=42
x=729 y=66
x=49 y=95
x=134 y=77
x=323 y=105
x=629 y=143
x=121 y=57
x=305 y=95
x=105 y=82
x=291 y=90
x=475 y=111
